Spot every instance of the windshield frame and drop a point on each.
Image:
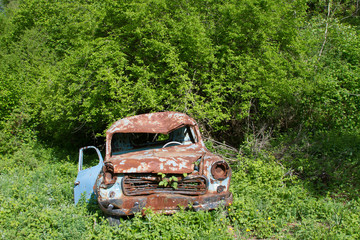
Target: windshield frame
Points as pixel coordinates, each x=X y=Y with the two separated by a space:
x=133 y=142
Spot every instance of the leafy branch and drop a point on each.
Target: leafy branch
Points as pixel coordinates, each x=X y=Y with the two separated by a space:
x=165 y=181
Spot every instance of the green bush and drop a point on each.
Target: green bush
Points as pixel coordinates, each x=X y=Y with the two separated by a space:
x=281 y=76
x=37 y=202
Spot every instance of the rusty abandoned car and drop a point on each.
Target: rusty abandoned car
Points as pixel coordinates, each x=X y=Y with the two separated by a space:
x=155 y=161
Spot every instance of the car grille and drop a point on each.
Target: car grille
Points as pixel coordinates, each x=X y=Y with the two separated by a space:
x=135 y=185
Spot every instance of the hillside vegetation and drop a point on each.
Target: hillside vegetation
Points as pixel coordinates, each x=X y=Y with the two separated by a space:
x=278 y=81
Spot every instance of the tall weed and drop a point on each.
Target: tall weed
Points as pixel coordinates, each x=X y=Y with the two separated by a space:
x=37 y=203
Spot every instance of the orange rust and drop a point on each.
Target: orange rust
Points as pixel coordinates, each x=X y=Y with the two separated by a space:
x=144 y=184
x=180 y=160
x=133 y=178
x=165 y=203
x=220 y=170
x=160 y=122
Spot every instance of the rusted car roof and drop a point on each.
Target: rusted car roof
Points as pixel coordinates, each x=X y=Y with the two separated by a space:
x=159 y=122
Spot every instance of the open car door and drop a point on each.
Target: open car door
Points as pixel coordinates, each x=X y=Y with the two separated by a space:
x=86 y=178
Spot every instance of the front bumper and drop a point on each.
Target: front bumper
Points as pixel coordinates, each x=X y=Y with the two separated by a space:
x=164 y=203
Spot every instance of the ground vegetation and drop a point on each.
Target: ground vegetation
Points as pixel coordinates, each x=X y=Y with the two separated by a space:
x=274 y=85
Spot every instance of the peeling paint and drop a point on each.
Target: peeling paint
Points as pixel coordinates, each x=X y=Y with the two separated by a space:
x=144 y=169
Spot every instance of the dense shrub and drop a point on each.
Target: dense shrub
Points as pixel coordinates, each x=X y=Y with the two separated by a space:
x=75 y=67
x=277 y=80
x=36 y=202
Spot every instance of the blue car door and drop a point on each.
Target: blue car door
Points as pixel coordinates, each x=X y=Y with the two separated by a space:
x=86 y=178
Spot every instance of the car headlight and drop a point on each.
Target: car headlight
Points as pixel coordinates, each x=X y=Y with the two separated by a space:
x=220 y=170
x=109 y=176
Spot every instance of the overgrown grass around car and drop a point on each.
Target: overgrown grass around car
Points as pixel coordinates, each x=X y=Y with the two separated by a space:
x=36 y=202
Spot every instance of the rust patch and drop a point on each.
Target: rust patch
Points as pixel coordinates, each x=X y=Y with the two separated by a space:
x=220 y=170
x=164 y=203
x=109 y=175
x=220 y=189
x=140 y=184
x=155 y=165
x=135 y=169
x=160 y=122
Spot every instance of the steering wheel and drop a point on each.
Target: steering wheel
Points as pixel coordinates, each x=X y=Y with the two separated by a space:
x=172 y=142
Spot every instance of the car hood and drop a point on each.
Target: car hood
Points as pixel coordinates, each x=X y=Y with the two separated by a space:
x=157 y=161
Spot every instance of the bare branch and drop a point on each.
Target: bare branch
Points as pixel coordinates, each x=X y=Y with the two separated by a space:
x=227 y=152
x=326 y=29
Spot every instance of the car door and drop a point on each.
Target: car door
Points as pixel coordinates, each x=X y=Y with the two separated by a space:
x=86 y=178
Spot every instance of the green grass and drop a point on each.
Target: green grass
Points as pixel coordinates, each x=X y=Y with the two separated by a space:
x=36 y=200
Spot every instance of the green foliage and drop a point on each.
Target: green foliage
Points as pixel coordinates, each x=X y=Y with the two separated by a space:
x=37 y=202
x=271 y=203
x=328 y=161
x=75 y=67
x=346 y=10
x=97 y=62
x=246 y=70
x=171 y=181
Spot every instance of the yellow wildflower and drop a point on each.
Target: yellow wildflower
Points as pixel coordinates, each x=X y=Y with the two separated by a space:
x=248 y=230
x=269 y=218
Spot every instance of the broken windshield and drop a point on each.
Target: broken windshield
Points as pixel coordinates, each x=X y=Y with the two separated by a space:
x=129 y=142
